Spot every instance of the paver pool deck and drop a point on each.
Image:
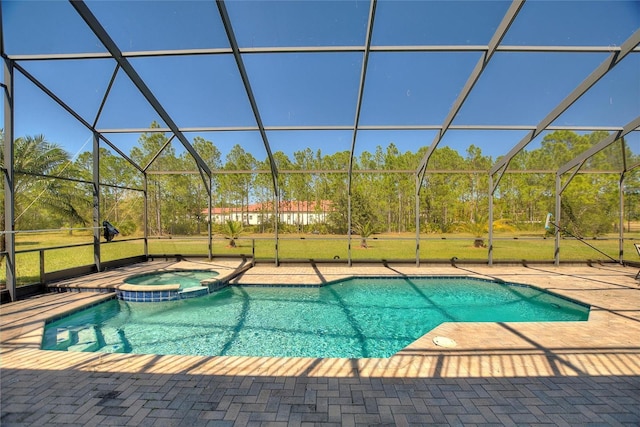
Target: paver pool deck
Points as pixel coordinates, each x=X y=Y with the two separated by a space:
x=560 y=373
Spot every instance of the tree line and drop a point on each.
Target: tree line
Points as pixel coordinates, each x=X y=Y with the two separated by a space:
x=454 y=193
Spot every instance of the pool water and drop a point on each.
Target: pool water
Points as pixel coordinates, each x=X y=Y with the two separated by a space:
x=185 y=278
x=356 y=318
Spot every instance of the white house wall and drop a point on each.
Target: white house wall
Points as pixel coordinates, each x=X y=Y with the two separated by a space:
x=291 y=218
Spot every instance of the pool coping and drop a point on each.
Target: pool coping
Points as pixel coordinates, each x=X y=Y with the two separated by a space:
x=149 y=288
x=226 y=271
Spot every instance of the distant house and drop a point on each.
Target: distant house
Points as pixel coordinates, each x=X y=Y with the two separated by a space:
x=290 y=212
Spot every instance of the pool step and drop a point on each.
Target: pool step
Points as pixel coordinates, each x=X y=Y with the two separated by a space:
x=63 y=339
x=87 y=340
x=112 y=341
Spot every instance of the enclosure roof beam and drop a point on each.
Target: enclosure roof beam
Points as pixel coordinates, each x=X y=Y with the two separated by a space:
x=222 y=8
x=155 y=156
x=120 y=152
x=374 y=171
x=106 y=94
x=360 y=127
x=363 y=171
x=71 y=111
x=573 y=174
x=2 y=52
x=582 y=157
x=78 y=180
x=53 y=96
x=363 y=76
x=104 y=37
x=499 y=34
x=607 y=65
x=319 y=49
x=623 y=152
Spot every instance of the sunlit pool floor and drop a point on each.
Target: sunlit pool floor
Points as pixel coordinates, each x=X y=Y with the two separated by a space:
x=362 y=317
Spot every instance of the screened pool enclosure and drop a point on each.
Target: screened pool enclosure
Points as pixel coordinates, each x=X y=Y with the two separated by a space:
x=331 y=131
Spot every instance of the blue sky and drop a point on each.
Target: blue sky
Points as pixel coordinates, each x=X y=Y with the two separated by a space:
x=321 y=89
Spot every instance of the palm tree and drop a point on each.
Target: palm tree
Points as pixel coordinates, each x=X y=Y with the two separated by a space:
x=480 y=225
x=34 y=157
x=365 y=229
x=232 y=230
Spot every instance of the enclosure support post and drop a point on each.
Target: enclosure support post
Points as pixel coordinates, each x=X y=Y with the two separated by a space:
x=349 y=222
x=42 y=265
x=209 y=219
x=277 y=212
x=418 y=220
x=145 y=214
x=96 y=202
x=623 y=176
x=9 y=236
x=490 y=244
x=556 y=253
x=621 y=220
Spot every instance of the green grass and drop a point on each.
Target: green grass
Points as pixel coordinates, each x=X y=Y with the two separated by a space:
x=506 y=247
x=56 y=259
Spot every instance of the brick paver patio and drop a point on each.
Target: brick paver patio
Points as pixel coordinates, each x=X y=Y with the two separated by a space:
x=564 y=373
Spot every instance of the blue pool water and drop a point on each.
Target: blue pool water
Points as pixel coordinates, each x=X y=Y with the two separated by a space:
x=356 y=318
x=185 y=278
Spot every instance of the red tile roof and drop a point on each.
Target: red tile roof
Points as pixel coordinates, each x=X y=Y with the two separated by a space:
x=284 y=206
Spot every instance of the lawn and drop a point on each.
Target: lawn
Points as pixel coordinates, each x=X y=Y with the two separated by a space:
x=506 y=247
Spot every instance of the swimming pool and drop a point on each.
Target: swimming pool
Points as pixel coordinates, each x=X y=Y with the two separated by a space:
x=355 y=318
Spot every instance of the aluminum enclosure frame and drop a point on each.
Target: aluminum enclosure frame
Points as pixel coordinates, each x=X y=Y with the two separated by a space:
x=121 y=58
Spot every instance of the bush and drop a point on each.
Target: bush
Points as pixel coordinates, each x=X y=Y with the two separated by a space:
x=320 y=228
x=287 y=228
x=251 y=229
